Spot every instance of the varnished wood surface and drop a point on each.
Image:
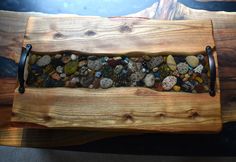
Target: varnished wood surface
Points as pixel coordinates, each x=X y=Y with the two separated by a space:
x=224 y=32
x=224 y=25
x=117 y=35
x=118 y=108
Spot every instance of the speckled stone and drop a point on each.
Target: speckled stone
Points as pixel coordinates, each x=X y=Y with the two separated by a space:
x=149 y=80
x=155 y=61
x=132 y=66
x=193 y=61
x=153 y=72
x=182 y=68
x=94 y=64
x=169 y=82
x=137 y=76
x=43 y=61
x=106 y=83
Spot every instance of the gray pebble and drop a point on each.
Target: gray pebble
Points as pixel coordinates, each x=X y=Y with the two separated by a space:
x=62 y=75
x=155 y=61
x=59 y=69
x=149 y=80
x=95 y=64
x=57 y=56
x=132 y=66
x=106 y=83
x=137 y=76
x=43 y=61
x=118 y=69
x=182 y=68
x=200 y=57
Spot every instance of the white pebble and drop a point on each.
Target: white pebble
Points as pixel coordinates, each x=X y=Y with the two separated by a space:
x=73 y=57
x=59 y=69
x=198 y=69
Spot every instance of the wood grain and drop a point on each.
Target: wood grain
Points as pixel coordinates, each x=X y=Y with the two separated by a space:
x=225 y=36
x=118 y=108
x=224 y=28
x=104 y=35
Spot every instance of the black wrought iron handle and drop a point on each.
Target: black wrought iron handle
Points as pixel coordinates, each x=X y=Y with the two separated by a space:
x=212 y=67
x=21 y=67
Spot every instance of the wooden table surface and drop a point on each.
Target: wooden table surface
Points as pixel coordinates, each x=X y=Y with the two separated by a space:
x=11 y=35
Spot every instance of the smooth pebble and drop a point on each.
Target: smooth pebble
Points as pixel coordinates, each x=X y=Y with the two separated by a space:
x=106 y=83
x=169 y=82
x=149 y=80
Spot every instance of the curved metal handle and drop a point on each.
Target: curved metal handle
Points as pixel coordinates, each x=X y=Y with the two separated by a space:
x=212 y=67
x=21 y=67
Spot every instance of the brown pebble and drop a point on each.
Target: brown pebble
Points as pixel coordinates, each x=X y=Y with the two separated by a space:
x=158 y=87
x=66 y=59
x=56 y=76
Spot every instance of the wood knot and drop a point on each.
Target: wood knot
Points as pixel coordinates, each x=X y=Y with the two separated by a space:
x=90 y=33
x=47 y=118
x=161 y=115
x=128 y=117
x=194 y=115
x=26 y=37
x=58 y=36
x=125 y=29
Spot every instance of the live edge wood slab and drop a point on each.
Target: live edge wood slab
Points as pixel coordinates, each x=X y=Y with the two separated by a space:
x=12 y=33
x=124 y=108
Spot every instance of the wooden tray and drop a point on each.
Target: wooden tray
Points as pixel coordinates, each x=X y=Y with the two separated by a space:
x=122 y=108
